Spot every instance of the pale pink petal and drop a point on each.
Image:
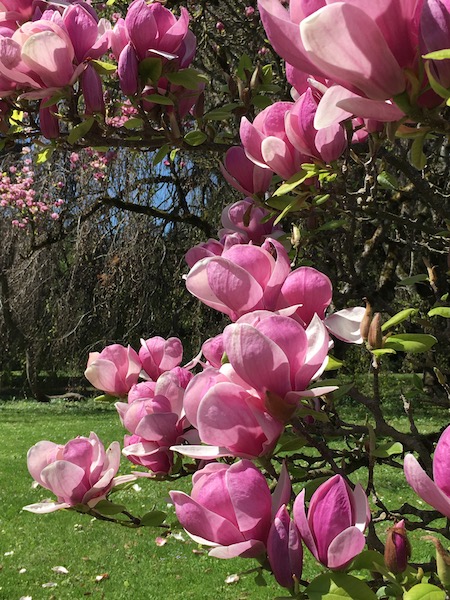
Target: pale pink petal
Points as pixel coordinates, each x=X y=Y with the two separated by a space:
x=257 y=359
x=425 y=487
x=345 y=547
x=247 y=549
x=202 y=452
x=346 y=44
x=317 y=350
x=371 y=109
x=42 y=508
x=345 y=324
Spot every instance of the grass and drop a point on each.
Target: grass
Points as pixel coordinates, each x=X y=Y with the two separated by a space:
x=131 y=563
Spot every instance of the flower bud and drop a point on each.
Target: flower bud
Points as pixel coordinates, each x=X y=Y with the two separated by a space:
x=398 y=549
x=366 y=320
x=375 y=335
x=442 y=561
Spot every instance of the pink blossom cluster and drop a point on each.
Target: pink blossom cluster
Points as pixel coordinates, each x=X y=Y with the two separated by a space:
x=127 y=111
x=18 y=194
x=366 y=68
x=47 y=48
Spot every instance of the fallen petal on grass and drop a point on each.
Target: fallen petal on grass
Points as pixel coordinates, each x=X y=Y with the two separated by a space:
x=232 y=578
x=61 y=570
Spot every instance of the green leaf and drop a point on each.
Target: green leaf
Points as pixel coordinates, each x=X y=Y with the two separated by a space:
x=411 y=342
x=333 y=363
x=187 y=78
x=388 y=449
x=195 y=138
x=44 y=155
x=285 y=211
x=159 y=156
x=435 y=85
x=105 y=507
x=133 y=123
x=80 y=130
x=150 y=69
x=259 y=580
x=261 y=102
x=103 y=68
x=223 y=112
x=154 y=518
x=342 y=391
x=387 y=181
x=367 y=560
x=333 y=586
x=414 y=279
x=105 y=398
x=440 y=311
x=399 y=318
x=53 y=100
x=318 y=200
x=158 y=99
x=267 y=73
x=382 y=351
x=245 y=64
x=292 y=183
x=424 y=591
x=330 y=225
x=310 y=412
x=416 y=155
x=173 y=153
x=291 y=445
x=438 y=55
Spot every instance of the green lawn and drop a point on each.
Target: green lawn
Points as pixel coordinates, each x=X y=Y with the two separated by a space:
x=128 y=563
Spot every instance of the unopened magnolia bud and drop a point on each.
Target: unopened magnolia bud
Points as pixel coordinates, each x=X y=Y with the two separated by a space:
x=398 y=549
x=256 y=78
x=442 y=560
x=366 y=320
x=375 y=335
x=295 y=237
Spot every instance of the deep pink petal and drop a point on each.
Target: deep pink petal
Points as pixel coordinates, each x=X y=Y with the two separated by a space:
x=425 y=487
x=308 y=287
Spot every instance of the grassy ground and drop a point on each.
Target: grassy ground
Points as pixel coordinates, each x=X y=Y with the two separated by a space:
x=107 y=561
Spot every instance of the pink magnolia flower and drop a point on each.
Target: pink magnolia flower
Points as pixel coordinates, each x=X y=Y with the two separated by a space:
x=249 y=220
x=435 y=493
x=284 y=549
x=230 y=416
x=325 y=144
x=158 y=355
x=81 y=472
x=274 y=354
x=246 y=278
x=155 y=418
x=243 y=174
x=266 y=143
x=337 y=517
x=364 y=56
x=114 y=370
x=230 y=508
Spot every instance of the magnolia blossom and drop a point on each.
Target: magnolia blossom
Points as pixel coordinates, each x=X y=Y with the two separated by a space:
x=243 y=174
x=155 y=418
x=81 y=472
x=248 y=220
x=435 y=35
x=284 y=549
x=230 y=508
x=266 y=143
x=435 y=493
x=158 y=355
x=246 y=278
x=230 y=416
x=114 y=370
x=364 y=55
x=333 y=528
